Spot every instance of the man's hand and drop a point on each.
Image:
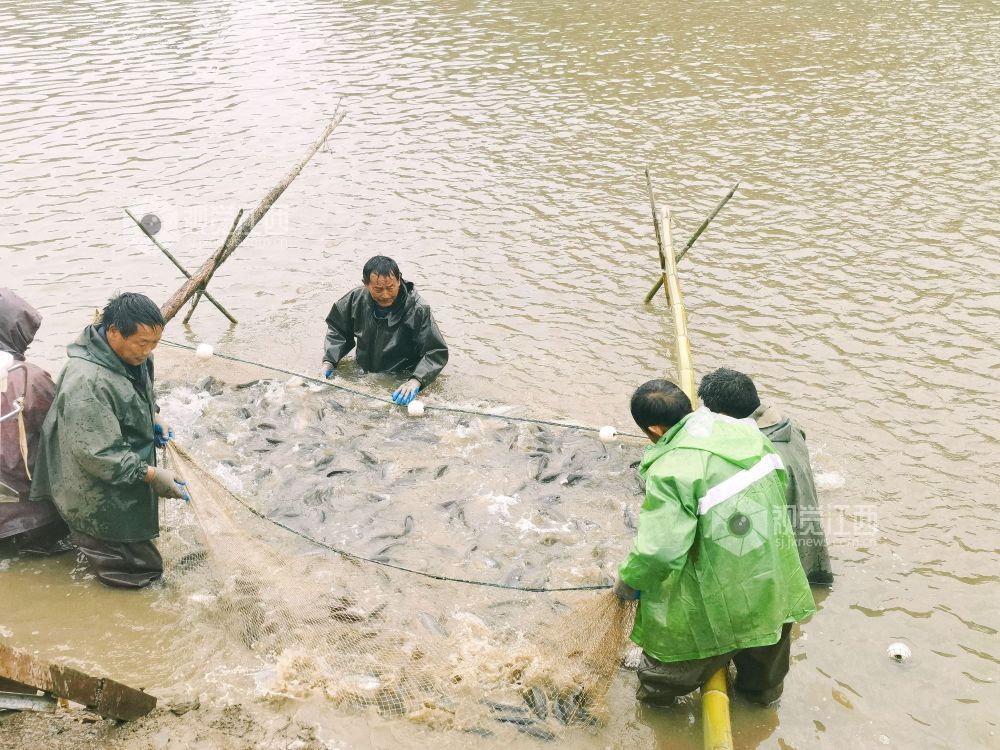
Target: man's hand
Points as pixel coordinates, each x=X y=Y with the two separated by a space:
x=166 y=484
x=326 y=372
x=623 y=591
x=406 y=392
x=162 y=431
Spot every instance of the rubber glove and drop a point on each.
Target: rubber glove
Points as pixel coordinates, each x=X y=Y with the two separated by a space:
x=327 y=371
x=406 y=392
x=166 y=484
x=163 y=433
x=623 y=591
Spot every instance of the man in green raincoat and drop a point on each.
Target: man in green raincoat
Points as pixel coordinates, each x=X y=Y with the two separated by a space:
x=713 y=563
x=392 y=327
x=726 y=391
x=96 y=456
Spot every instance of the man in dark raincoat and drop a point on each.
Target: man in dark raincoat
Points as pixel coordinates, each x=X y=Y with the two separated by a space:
x=732 y=393
x=27 y=525
x=392 y=327
x=97 y=459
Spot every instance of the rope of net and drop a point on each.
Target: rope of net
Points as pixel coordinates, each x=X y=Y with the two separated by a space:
x=373 y=397
x=186 y=456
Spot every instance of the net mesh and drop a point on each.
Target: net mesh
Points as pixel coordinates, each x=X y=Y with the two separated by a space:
x=483 y=657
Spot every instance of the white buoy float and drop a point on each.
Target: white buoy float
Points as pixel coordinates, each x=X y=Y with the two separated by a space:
x=415 y=408
x=899 y=651
x=608 y=434
x=204 y=351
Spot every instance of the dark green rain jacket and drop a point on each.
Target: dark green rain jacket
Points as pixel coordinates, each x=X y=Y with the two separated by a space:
x=408 y=341
x=96 y=444
x=800 y=494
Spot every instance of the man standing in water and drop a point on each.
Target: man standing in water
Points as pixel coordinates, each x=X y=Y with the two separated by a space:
x=713 y=563
x=30 y=526
x=392 y=326
x=97 y=459
x=732 y=393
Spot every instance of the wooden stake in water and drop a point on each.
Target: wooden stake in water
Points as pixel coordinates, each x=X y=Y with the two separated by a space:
x=200 y=292
x=659 y=237
x=694 y=237
x=180 y=267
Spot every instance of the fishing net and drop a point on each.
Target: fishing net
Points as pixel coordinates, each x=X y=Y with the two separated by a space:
x=451 y=570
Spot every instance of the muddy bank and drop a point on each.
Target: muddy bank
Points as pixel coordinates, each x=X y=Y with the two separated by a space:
x=256 y=725
x=230 y=727
x=187 y=725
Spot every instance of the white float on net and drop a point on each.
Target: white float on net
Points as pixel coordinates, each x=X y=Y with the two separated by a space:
x=899 y=651
x=204 y=351
x=608 y=433
x=415 y=408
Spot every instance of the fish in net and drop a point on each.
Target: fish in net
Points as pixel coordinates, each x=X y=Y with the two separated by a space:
x=368 y=634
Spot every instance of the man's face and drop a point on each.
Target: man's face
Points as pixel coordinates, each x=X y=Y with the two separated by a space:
x=134 y=349
x=383 y=289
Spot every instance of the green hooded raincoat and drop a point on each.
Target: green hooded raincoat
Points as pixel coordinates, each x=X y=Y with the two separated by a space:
x=714 y=557
x=96 y=444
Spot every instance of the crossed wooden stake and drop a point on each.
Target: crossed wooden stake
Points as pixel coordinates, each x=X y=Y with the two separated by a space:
x=196 y=283
x=694 y=237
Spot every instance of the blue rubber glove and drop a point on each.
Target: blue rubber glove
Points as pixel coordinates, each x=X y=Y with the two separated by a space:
x=166 y=483
x=625 y=592
x=327 y=370
x=163 y=433
x=406 y=392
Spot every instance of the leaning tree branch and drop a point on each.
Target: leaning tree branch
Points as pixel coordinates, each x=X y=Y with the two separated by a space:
x=177 y=263
x=200 y=292
x=201 y=276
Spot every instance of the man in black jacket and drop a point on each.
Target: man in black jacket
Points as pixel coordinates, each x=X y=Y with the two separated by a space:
x=729 y=392
x=392 y=327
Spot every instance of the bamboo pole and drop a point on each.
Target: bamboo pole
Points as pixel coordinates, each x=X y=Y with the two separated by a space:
x=200 y=292
x=694 y=237
x=659 y=237
x=177 y=263
x=196 y=281
x=672 y=289
x=717 y=731
x=716 y=726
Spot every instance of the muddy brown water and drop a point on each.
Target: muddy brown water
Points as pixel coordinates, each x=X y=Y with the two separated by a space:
x=496 y=151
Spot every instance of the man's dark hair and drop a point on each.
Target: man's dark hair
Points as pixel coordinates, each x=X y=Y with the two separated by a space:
x=129 y=310
x=659 y=402
x=380 y=266
x=729 y=392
